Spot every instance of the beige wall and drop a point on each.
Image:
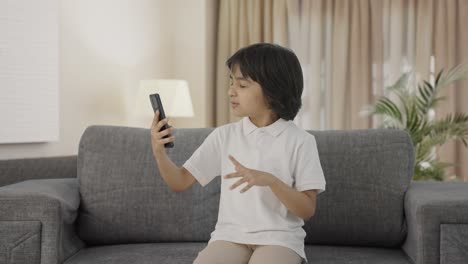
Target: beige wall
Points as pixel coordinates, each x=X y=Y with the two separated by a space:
x=107 y=46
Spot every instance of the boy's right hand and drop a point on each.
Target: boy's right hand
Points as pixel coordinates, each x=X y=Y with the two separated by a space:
x=157 y=140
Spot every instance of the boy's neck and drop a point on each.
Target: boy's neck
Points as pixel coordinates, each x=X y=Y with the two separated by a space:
x=263 y=121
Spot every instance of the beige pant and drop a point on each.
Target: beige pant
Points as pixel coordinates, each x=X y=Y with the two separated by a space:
x=226 y=252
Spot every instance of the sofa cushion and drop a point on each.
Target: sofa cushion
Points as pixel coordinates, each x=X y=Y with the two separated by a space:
x=161 y=253
x=125 y=200
x=361 y=255
x=368 y=173
x=185 y=253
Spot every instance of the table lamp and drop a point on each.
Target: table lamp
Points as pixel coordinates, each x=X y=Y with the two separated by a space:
x=174 y=94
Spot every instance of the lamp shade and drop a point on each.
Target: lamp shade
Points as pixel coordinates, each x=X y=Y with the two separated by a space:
x=174 y=94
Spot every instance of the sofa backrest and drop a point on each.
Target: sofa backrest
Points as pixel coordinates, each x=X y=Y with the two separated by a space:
x=125 y=200
x=22 y=169
x=368 y=173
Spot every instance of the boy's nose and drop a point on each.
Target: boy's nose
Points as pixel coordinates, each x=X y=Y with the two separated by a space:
x=230 y=92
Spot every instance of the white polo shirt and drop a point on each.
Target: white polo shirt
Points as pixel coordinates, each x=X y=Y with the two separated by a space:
x=257 y=216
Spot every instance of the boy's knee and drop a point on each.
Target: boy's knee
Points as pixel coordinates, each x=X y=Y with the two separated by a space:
x=275 y=255
x=223 y=252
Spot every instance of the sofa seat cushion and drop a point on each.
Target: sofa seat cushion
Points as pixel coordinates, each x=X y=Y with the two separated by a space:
x=355 y=255
x=181 y=253
x=160 y=253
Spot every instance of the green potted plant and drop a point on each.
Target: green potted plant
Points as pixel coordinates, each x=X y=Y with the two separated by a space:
x=412 y=108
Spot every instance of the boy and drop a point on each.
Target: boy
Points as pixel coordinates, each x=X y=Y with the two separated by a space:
x=270 y=168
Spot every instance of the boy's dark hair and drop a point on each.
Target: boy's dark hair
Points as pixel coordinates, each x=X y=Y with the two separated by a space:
x=279 y=73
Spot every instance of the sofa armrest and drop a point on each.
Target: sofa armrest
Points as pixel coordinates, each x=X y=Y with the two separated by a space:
x=437 y=218
x=37 y=221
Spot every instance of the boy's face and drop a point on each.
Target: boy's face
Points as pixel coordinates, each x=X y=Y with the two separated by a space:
x=246 y=96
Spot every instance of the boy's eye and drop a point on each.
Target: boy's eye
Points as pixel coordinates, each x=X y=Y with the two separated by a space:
x=242 y=86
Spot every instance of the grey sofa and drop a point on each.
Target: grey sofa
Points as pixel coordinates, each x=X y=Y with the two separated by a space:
x=109 y=204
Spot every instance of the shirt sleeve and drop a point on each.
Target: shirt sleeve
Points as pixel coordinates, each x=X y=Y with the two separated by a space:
x=308 y=172
x=205 y=162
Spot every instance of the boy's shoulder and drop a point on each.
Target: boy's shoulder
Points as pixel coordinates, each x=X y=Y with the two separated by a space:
x=222 y=130
x=292 y=131
x=227 y=127
x=300 y=135
x=293 y=128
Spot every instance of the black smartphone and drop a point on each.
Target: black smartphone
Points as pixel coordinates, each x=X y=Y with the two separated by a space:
x=157 y=105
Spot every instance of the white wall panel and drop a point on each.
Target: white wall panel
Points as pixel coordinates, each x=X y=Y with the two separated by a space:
x=29 y=70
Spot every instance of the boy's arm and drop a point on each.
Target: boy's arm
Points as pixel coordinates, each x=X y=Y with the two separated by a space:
x=189 y=178
x=178 y=179
x=301 y=204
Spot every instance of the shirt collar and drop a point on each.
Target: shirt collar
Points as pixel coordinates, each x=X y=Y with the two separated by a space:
x=273 y=129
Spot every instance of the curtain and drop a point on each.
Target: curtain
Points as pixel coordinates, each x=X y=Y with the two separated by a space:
x=350 y=51
x=241 y=23
x=450 y=48
x=332 y=41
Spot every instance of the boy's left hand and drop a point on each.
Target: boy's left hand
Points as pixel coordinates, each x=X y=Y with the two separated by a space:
x=252 y=177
